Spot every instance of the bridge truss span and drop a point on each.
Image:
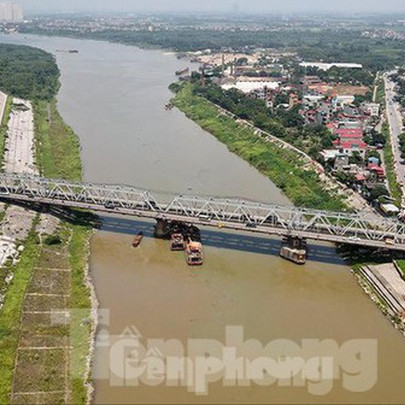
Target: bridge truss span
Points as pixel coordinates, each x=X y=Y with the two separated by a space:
x=240 y=215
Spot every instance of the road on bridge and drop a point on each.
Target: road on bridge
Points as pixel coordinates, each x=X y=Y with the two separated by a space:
x=240 y=215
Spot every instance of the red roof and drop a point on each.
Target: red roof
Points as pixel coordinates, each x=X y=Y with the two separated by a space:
x=349 y=132
x=360 y=177
x=353 y=144
x=376 y=168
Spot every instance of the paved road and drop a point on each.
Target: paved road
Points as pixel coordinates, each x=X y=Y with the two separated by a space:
x=3 y=99
x=395 y=122
x=19 y=156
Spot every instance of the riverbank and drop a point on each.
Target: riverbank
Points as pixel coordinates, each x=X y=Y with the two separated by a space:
x=275 y=161
x=286 y=168
x=50 y=303
x=384 y=284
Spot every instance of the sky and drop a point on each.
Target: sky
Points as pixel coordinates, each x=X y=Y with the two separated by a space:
x=267 y=6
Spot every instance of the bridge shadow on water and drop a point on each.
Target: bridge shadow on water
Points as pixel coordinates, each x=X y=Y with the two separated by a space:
x=225 y=240
x=219 y=238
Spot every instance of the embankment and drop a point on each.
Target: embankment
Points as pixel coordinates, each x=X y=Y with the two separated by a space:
x=286 y=168
x=51 y=277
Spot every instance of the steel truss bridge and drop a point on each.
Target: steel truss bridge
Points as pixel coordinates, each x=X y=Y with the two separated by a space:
x=239 y=215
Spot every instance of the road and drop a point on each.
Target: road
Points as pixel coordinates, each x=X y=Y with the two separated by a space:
x=19 y=154
x=395 y=123
x=246 y=216
x=3 y=100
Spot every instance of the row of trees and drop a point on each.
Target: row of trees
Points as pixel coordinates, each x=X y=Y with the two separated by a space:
x=340 y=75
x=402 y=144
x=399 y=79
x=27 y=72
x=329 y=45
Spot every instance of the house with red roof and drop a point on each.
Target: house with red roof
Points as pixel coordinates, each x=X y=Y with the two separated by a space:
x=350 y=140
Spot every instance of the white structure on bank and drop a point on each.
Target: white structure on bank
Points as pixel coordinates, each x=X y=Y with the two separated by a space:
x=327 y=66
x=249 y=86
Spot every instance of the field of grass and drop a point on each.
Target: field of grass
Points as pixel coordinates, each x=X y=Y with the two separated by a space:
x=284 y=167
x=57 y=146
x=58 y=151
x=11 y=313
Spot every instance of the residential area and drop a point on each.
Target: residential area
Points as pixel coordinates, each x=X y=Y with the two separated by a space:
x=344 y=101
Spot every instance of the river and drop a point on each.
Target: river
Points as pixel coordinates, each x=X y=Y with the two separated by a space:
x=113 y=96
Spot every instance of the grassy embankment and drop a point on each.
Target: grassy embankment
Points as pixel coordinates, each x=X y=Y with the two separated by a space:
x=58 y=155
x=393 y=184
x=58 y=151
x=401 y=265
x=284 y=167
x=11 y=313
x=3 y=128
x=380 y=95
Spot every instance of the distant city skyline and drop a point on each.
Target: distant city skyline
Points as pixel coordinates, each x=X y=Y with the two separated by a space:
x=267 y=6
x=11 y=11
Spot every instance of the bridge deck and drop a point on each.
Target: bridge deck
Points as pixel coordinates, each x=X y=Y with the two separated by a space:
x=239 y=215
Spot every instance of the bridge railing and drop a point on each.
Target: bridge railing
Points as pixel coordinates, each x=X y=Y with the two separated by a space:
x=252 y=215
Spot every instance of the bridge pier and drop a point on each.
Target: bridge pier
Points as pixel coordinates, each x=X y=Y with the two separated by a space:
x=294 y=249
x=164 y=229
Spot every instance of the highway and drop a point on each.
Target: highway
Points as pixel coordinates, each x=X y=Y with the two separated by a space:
x=395 y=122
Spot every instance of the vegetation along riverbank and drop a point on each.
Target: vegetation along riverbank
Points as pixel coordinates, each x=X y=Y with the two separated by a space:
x=287 y=169
x=48 y=301
x=284 y=167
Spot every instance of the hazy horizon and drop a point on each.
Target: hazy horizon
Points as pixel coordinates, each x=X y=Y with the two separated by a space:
x=253 y=6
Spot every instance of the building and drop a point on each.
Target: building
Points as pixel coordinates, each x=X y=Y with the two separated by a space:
x=247 y=86
x=350 y=140
x=327 y=66
x=341 y=161
x=311 y=100
x=11 y=12
x=341 y=100
x=372 y=108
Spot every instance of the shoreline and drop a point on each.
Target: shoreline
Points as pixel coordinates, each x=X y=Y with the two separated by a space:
x=192 y=113
x=94 y=326
x=88 y=280
x=304 y=172
x=378 y=299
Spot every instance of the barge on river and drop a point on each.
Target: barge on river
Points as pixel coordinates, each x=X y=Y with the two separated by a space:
x=194 y=253
x=294 y=250
x=176 y=242
x=137 y=240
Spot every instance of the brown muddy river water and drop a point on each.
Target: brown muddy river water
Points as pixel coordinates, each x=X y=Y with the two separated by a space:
x=113 y=96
